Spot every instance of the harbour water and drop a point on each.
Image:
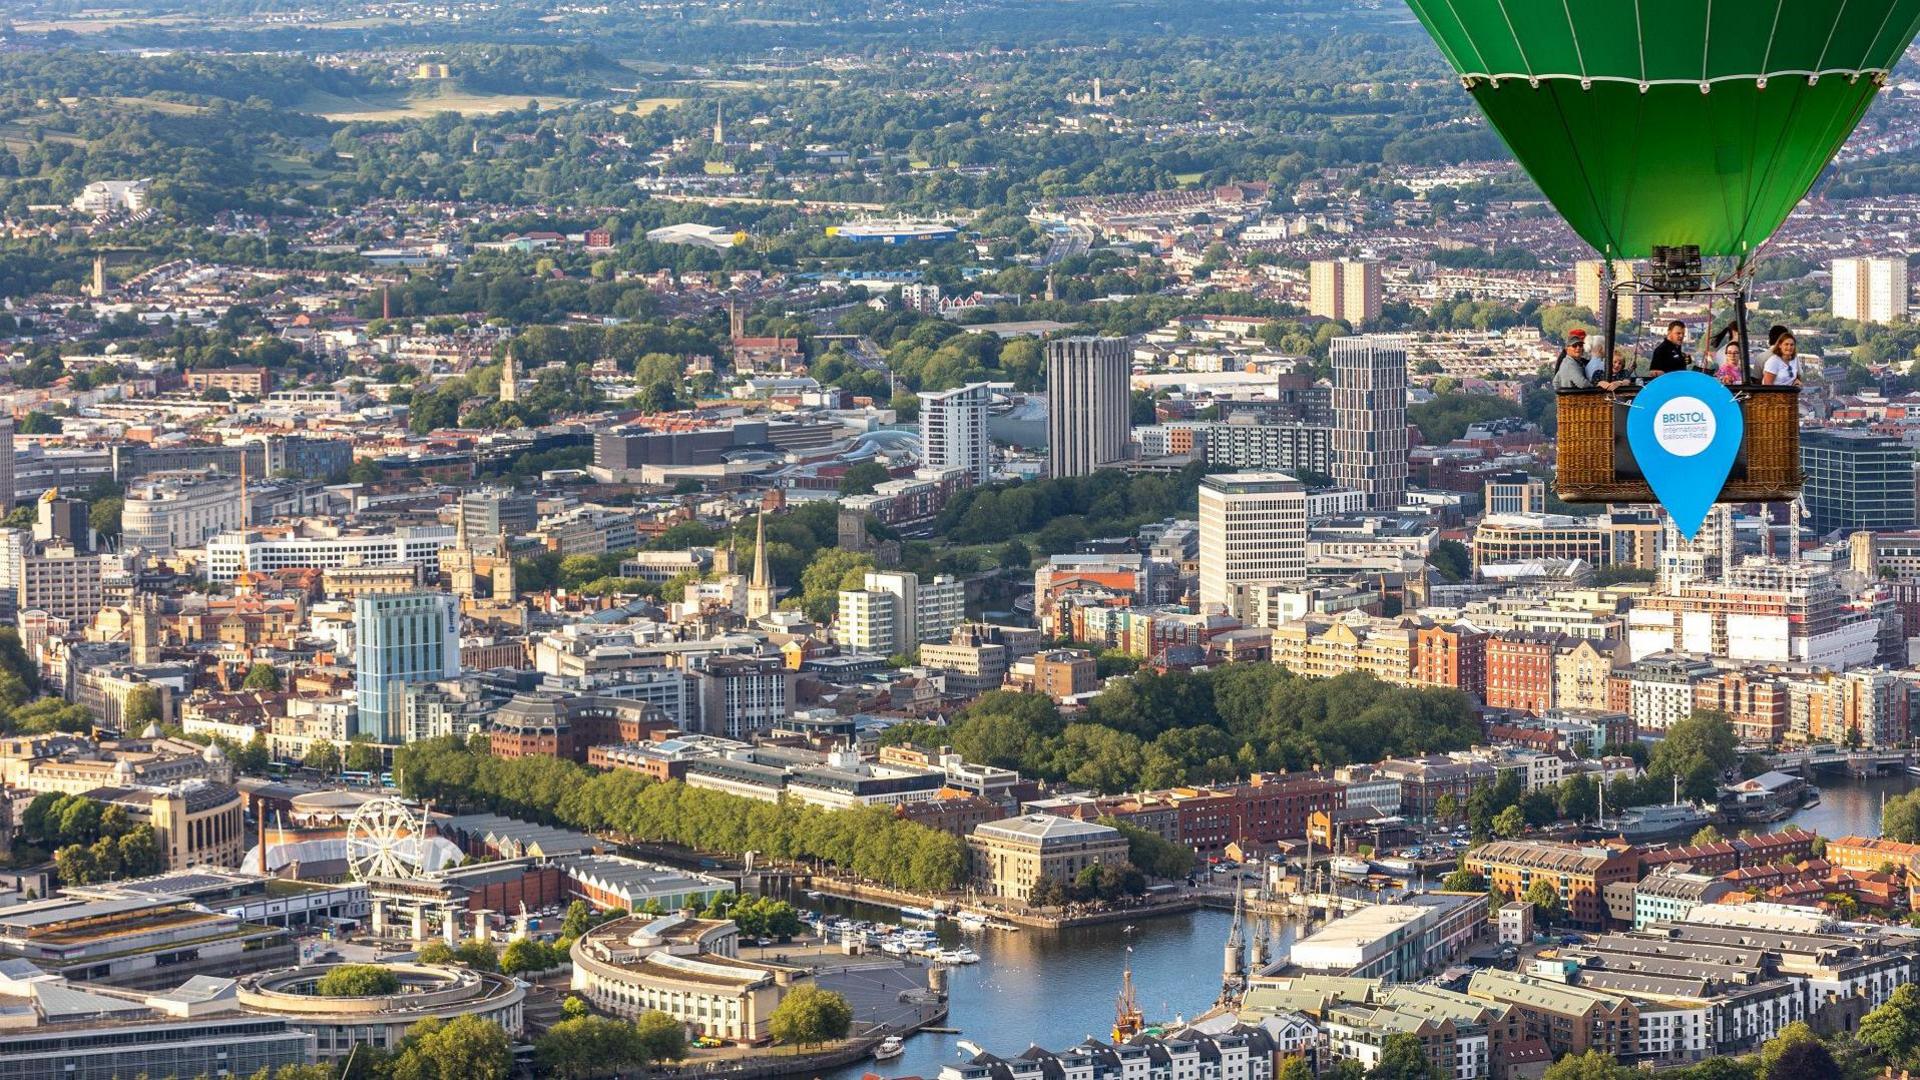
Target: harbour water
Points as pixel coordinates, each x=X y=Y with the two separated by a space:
x=1056 y=988
x=1851 y=807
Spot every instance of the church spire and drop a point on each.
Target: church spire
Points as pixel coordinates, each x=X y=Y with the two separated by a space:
x=760 y=586
x=760 y=553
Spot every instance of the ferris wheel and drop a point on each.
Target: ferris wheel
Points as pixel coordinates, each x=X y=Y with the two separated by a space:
x=383 y=840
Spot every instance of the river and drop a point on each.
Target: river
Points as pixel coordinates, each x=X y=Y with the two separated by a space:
x=1056 y=988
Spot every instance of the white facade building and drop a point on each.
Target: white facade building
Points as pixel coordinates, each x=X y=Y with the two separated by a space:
x=257 y=550
x=1253 y=527
x=177 y=511
x=893 y=612
x=953 y=430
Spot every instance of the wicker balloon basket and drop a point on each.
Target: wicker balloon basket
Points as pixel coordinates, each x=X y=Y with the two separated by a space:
x=1591 y=449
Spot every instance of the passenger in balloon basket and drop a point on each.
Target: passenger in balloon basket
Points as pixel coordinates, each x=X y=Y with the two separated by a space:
x=1720 y=355
x=1671 y=354
x=1783 y=358
x=1573 y=369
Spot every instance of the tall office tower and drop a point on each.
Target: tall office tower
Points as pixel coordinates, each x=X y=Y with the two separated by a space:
x=1870 y=289
x=1370 y=417
x=1856 y=480
x=1253 y=527
x=6 y=463
x=953 y=430
x=1089 y=404
x=400 y=638
x=1340 y=289
x=1590 y=289
x=63 y=521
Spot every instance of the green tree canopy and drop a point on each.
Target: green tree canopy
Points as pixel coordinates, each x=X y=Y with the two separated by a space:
x=1545 y=898
x=664 y=1038
x=322 y=756
x=357 y=980
x=1404 y=1057
x=1900 y=820
x=142 y=708
x=1592 y=1065
x=589 y=1046
x=1893 y=1029
x=809 y=1015
x=1509 y=822
x=466 y=1048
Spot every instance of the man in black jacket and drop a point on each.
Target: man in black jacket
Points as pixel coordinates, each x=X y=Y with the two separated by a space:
x=1671 y=353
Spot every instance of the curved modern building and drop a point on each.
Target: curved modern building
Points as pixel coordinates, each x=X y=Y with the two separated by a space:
x=684 y=967
x=341 y=1023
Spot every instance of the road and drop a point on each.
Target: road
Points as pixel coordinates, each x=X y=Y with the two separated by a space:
x=1077 y=240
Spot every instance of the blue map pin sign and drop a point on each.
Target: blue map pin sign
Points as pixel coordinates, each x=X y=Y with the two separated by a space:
x=1685 y=430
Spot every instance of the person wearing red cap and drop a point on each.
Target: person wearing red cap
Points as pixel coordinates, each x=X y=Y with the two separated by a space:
x=1574 y=370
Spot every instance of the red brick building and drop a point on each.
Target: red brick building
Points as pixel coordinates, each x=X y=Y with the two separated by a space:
x=549 y=725
x=952 y=811
x=1520 y=671
x=1755 y=706
x=1454 y=656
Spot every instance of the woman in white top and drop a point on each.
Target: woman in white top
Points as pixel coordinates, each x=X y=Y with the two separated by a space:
x=1783 y=363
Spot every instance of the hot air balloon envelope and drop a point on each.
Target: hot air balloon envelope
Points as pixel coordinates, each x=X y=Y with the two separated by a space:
x=1678 y=122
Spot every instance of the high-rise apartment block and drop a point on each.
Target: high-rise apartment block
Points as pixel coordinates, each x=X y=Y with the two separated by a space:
x=1339 y=289
x=1870 y=290
x=1089 y=404
x=1370 y=417
x=1590 y=289
x=400 y=638
x=1253 y=527
x=893 y=612
x=6 y=462
x=953 y=430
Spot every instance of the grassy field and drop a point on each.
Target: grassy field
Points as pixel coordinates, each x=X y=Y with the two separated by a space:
x=291 y=167
x=171 y=108
x=423 y=101
x=652 y=104
x=99 y=23
x=20 y=136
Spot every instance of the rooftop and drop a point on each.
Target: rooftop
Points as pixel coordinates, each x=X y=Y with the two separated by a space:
x=1047 y=829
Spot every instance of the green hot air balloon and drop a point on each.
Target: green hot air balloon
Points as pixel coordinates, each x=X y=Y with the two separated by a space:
x=1673 y=122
